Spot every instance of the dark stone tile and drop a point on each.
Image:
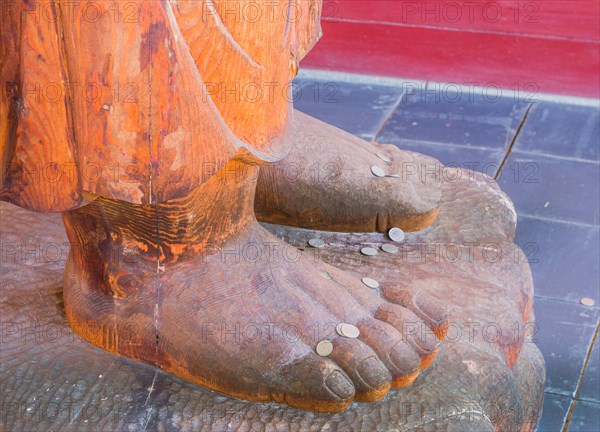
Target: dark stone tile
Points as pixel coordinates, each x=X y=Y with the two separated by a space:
x=553 y=188
x=564 y=333
x=585 y=418
x=461 y=118
x=554 y=413
x=481 y=160
x=561 y=130
x=590 y=385
x=356 y=108
x=563 y=258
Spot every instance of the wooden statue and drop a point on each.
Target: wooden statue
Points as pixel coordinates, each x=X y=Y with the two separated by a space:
x=162 y=133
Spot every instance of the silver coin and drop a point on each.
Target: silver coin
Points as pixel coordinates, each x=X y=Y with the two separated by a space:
x=324 y=348
x=389 y=248
x=368 y=251
x=586 y=301
x=396 y=234
x=393 y=175
x=350 y=331
x=316 y=243
x=371 y=283
x=383 y=158
x=377 y=171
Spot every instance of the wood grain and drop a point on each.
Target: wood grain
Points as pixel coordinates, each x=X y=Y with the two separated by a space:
x=153 y=97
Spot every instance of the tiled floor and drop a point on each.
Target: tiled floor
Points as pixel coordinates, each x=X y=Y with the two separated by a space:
x=545 y=155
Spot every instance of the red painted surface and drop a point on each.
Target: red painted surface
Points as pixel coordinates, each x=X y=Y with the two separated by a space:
x=550 y=46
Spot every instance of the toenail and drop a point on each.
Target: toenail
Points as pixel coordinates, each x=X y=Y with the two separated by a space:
x=373 y=373
x=429 y=307
x=424 y=342
x=406 y=360
x=339 y=385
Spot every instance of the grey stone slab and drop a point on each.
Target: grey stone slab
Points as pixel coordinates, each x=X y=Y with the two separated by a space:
x=554 y=414
x=551 y=187
x=563 y=258
x=358 y=108
x=586 y=417
x=562 y=130
x=564 y=334
x=486 y=161
x=590 y=384
x=455 y=117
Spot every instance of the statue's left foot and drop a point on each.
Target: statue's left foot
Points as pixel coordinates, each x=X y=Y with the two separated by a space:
x=329 y=181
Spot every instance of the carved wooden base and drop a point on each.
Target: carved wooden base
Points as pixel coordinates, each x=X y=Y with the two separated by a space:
x=488 y=375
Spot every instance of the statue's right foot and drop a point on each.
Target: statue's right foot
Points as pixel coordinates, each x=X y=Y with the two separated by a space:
x=198 y=288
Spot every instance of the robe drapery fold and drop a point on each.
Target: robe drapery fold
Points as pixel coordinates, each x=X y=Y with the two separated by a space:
x=142 y=101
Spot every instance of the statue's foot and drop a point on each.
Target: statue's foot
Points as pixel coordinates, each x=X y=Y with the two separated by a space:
x=198 y=288
x=466 y=260
x=327 y=183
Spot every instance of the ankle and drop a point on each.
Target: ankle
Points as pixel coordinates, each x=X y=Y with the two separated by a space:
x=108 y=230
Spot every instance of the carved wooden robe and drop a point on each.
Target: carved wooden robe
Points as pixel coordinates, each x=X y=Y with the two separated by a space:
x=142 y=101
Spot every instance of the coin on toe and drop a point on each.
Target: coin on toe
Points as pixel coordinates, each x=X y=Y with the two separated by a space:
x=389 y=248
x=368 y=251
x=324 y=348
x=316 y=243
x=383 y=158
x=396 y=234
x=377 y=171
x=371 y=283
x=347 y=330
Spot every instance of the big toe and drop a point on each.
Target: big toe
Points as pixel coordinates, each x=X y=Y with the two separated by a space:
x=369 y=375
x=315 y=383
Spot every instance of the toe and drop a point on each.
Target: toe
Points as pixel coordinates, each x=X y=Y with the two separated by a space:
x=405 y=358
x=314 y=383
x=395 y=353
x=414 y=330
x=431 y=311
x=369 y=375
